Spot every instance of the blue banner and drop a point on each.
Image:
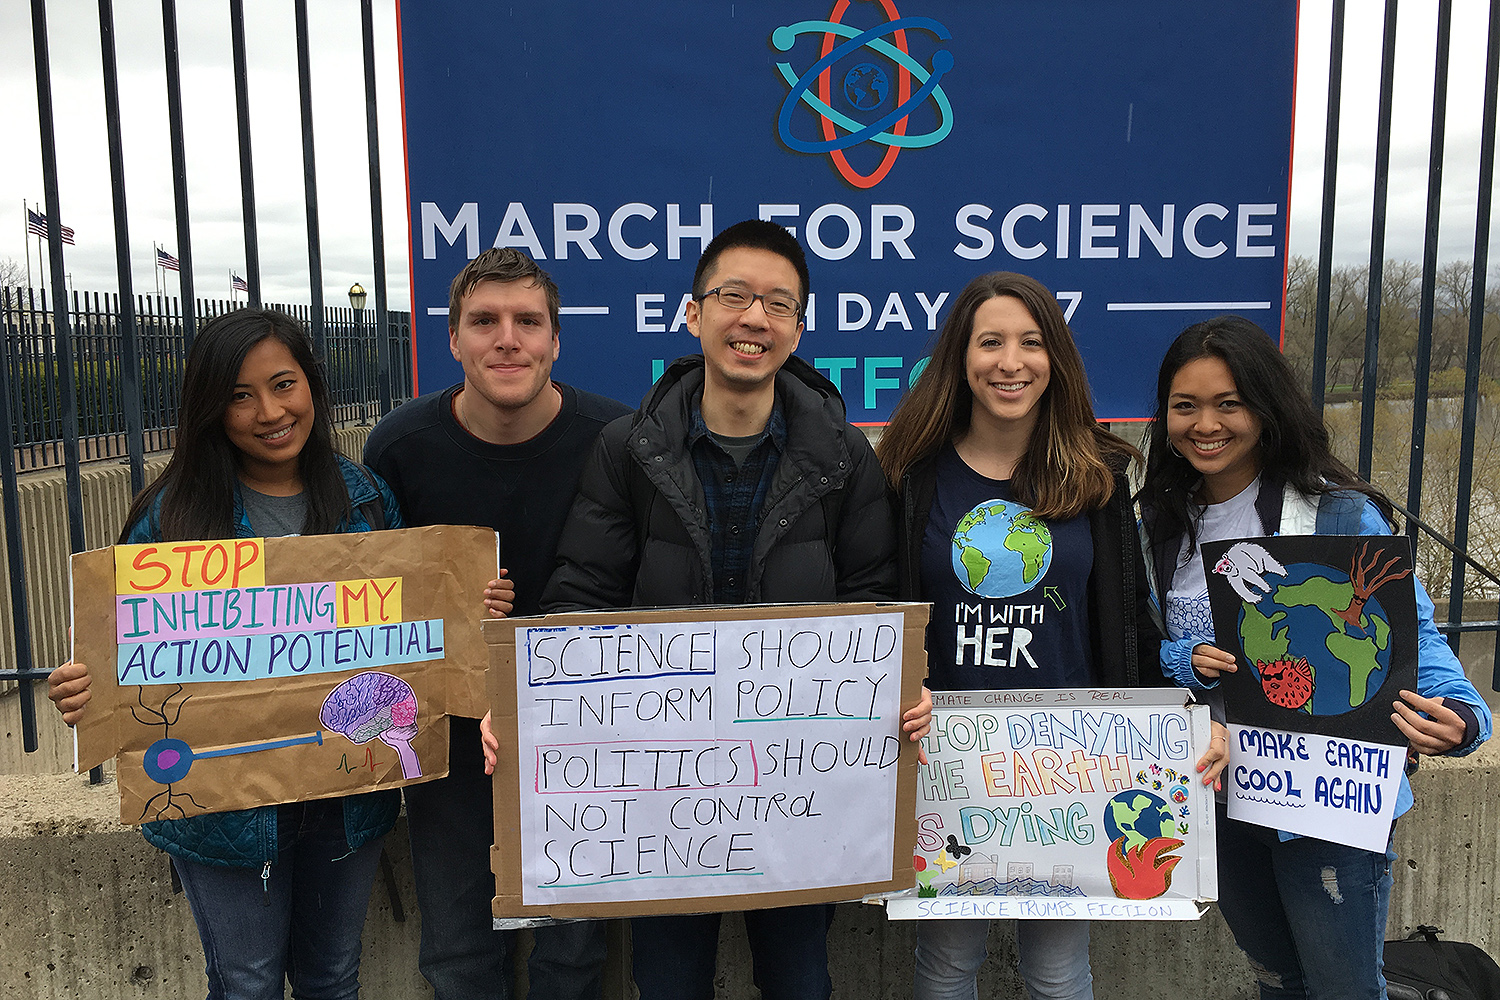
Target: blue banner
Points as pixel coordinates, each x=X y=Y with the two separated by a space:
x=1133 y=157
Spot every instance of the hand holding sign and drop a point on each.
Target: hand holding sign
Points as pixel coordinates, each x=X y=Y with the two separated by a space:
x=68 y=689
x=1432 y=727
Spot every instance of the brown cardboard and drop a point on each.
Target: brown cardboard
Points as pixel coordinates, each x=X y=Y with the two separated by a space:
x=443 y=569
x=506 y=852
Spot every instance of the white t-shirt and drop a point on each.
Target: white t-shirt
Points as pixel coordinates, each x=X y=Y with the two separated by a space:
x=1188 y=611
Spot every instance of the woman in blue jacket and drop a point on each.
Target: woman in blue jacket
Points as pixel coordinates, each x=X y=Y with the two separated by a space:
x=279 y=892
x=1237 y=450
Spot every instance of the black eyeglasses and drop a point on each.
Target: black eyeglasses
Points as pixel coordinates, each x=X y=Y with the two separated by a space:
x=775 y=304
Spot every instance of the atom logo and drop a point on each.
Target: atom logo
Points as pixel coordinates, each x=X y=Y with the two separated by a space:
x=865 y=87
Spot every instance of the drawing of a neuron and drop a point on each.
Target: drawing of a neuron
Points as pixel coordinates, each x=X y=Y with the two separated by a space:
x=163 y=758
x=168 y=760
x=373 y=704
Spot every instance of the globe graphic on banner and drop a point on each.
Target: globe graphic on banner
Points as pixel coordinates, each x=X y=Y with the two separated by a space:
x=1307 y=657
x=1001 y=549
x=866 y=85
x=1137 y=816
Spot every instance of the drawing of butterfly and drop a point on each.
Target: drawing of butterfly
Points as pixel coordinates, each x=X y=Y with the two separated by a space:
x=956 y=849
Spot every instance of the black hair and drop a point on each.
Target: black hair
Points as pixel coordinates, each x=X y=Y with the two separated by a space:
x=197 y=487
x=1294 y=442
x=759 y=235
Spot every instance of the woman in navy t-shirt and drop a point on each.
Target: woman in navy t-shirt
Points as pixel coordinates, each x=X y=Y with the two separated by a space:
x=1017 y=526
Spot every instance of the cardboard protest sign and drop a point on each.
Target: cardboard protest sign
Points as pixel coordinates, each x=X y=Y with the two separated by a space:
x=1324 y=629
x=1067 y=804
x=245 y=672
x=690 y=760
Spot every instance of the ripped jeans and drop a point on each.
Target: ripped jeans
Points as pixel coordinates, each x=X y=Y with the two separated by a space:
x=1309 y=914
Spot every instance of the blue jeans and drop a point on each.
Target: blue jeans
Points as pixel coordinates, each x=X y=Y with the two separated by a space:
x=673 y=958
x=302 y=925
x=1054 y=959
x=1309 y=914
x=451 y=823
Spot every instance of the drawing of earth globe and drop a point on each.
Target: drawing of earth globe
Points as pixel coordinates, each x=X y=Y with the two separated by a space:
x=865 y=86
x=1001 y=549
x=1138 y=816
x=1300 y=615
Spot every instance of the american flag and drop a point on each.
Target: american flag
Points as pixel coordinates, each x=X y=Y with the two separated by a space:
x=166 y=260
x=238 y=284
x=37 y=223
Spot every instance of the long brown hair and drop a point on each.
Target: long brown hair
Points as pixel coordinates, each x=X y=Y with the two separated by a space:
x=1066 y=468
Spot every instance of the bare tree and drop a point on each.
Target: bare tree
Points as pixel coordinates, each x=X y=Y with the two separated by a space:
x=12 y=273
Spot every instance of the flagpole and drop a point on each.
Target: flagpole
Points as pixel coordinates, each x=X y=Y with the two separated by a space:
x=26 y=231
x=43 y=264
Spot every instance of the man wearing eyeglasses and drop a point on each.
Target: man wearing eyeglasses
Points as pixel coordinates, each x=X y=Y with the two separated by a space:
x=738 y=481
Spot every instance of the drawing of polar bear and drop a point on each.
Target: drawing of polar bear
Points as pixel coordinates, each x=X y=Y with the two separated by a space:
x=1243 y=565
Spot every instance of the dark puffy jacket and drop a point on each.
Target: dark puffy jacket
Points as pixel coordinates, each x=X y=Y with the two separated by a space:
x=638 y=533
x=247 y=837
x=1123 y=635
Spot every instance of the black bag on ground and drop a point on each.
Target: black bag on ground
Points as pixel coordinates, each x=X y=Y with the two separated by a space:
x=1423 y=968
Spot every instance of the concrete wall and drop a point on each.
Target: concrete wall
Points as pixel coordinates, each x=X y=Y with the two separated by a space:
x=86 y=910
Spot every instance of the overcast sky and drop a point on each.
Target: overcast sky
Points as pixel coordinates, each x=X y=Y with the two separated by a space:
x=343 y=188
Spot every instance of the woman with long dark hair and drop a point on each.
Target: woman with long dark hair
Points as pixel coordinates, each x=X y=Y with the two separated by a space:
x=1000 y=426
x=1237 y=451
x=279 y=892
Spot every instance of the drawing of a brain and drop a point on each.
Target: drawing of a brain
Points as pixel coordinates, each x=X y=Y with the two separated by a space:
x=376 y=705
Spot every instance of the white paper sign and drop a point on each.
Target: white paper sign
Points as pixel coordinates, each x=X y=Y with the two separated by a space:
x=1075 y=804
x=1319 y=786
x=681 y=759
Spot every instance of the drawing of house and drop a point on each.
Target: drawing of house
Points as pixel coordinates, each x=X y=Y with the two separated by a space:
x=979 y=866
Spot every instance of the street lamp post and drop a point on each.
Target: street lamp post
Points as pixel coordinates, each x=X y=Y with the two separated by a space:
x=357 y=303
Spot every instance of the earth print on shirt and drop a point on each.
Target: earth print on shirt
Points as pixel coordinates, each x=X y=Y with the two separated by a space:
x=1001 y=549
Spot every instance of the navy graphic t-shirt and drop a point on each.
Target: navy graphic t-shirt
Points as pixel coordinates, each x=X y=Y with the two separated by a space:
x=1009 y=591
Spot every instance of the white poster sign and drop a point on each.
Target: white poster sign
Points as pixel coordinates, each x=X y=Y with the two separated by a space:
x=1069 y=804
x=1343 y=790
x=701 y=757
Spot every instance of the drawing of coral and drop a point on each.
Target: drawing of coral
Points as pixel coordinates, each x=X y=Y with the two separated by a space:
x=373 y=704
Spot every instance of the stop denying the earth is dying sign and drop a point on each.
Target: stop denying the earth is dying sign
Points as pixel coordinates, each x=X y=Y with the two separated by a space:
x=1063 y=804
x=691 y=760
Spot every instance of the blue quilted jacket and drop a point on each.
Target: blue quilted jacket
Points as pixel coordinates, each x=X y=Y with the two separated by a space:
x=247 y=837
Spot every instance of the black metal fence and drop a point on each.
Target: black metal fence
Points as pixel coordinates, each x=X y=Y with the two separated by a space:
x=1465 y=502
x=62 y=356
x=28 y=350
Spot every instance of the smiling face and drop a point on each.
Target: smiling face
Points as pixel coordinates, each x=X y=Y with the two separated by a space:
x=1007 y=365
x=743 y=349
x=506 y=344
x=270 y=413
x=1209 y=423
